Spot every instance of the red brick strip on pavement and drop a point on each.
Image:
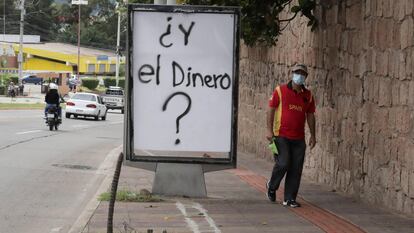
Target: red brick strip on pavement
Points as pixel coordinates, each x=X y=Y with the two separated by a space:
x=321 y=218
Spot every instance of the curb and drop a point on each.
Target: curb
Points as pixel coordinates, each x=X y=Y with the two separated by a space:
x=108 y=168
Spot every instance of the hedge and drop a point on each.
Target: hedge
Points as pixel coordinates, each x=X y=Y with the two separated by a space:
x=3 y=90
x=6 y=79
x=109 y=82
x=90 y=83
x=15 y=80
x=121 y=83
x=112 y=82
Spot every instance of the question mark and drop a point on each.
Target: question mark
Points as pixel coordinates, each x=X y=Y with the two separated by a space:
x=177 y=121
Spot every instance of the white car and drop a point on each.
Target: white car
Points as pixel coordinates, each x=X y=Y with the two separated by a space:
x=87 y=105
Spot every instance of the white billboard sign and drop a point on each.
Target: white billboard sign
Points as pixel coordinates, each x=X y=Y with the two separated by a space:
x=184 y=81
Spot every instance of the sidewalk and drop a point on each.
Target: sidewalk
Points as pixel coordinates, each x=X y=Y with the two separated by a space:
x=32 y=93
x=34 y=98
x=237 y=203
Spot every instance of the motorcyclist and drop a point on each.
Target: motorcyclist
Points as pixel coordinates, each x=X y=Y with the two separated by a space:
x=52 y=99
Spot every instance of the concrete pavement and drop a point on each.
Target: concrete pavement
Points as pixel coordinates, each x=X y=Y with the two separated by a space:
x=237 y=203
x=47 y=177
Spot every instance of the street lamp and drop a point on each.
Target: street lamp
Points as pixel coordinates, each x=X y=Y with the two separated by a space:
x=79 y=3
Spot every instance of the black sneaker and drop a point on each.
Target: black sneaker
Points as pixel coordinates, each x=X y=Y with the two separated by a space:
x=270 y=194
x=291 y=203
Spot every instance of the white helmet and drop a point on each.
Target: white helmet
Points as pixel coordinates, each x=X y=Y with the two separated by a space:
x=53 y=86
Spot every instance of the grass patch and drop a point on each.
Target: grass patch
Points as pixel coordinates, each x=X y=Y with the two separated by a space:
x=97 y=90
x=25 y=106
x=129 y=196
x=17 y=106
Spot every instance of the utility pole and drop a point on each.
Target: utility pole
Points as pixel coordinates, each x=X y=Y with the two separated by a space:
x=79 y=18
x=118 y=39
x=4 y=19
x=79 y=3
x=20 y=57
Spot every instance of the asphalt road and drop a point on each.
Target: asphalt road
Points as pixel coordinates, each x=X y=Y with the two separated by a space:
x=48 y=177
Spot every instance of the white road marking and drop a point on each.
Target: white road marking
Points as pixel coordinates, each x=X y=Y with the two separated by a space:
x=208 y=218
x=26 y=132
x=192 y=224
x=80 y=126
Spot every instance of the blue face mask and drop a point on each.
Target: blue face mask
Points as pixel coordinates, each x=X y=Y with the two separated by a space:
x=298 y=79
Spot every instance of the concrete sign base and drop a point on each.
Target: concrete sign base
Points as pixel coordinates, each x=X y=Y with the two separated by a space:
x=179 y=179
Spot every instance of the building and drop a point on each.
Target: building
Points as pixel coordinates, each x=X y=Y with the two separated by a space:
x=58 y=58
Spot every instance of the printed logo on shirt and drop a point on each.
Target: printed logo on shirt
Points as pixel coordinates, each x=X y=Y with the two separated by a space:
x=295 y=107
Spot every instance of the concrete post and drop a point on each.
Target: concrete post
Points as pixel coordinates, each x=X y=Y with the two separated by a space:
x=178 y=179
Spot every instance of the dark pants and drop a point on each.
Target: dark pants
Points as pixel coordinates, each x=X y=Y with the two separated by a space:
x=290 y=162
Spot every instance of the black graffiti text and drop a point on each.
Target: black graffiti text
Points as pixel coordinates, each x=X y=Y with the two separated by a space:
x=148 y=70
x=186 y=32
x=195 y=79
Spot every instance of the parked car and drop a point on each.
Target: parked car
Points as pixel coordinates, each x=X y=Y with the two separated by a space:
x=87 y=105
x=32 y=79
x=114 y=98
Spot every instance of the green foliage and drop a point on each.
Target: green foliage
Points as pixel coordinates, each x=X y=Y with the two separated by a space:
x=39 y=18
x=58 y=20
x=12 y=16
x=90 y=83
x=14 y=79
x=109 y=82
x=121 y=83
x=260 y=20
x=122 y=70
x=4 y=79
x=16 y=106
x=129 y=196
x=3 y=90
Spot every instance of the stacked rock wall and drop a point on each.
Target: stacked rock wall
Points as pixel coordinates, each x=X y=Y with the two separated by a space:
x=361 y=63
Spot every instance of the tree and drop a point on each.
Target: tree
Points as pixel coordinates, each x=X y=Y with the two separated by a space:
x=260 y=20
x=98 y=24
x=40 y=19
x=8 y=8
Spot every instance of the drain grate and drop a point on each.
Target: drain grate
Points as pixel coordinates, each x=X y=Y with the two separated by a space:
x=73 y=166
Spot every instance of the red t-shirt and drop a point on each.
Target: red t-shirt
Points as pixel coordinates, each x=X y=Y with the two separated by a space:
x=290 y=115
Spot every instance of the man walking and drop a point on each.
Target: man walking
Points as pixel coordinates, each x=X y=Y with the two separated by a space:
x=289 y=107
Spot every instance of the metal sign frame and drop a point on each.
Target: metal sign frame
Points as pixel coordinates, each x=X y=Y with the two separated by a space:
x=129 y=154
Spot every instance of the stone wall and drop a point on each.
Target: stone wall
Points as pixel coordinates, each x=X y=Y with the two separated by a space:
x=361 y=63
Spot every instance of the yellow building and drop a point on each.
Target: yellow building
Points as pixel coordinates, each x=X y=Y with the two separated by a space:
x=63 y=58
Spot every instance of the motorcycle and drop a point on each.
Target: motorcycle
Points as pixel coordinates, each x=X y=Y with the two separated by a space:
x=52 y=118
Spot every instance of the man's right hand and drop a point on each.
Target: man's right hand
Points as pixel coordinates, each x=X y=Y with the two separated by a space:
x=269 y=136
